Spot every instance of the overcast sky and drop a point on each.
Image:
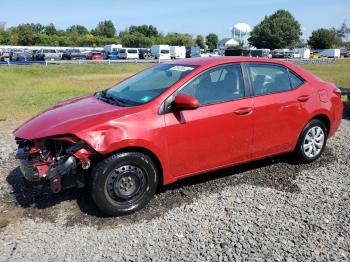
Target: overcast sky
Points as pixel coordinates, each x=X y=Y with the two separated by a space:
x=185 y=16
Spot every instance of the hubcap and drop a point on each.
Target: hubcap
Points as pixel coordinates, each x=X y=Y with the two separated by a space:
x=313 y=142
x=126 y=182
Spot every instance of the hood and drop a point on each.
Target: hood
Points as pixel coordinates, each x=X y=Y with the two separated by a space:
x=70 y=117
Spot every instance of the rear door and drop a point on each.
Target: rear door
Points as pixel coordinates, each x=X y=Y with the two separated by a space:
x=220 y=131
x=280 y=103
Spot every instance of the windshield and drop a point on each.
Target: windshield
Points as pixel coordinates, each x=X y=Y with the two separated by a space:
x=145 y=86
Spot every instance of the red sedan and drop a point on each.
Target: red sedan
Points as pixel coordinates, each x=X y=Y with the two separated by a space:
x=177 y=120
x=96 y=56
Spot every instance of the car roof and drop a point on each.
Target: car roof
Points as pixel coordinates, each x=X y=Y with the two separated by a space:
x=213 y=61
x=200 y=61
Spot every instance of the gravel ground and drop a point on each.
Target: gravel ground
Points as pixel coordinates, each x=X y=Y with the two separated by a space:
x=266 y=210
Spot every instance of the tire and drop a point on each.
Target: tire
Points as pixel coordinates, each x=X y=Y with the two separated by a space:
x=312 y=141
x=123 y=183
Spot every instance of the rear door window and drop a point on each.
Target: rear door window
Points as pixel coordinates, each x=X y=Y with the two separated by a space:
x=269 y=78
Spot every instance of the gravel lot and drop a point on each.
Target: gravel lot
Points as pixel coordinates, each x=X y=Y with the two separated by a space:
x=267 y=210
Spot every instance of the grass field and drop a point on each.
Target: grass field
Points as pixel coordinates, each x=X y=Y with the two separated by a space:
x=25 y=91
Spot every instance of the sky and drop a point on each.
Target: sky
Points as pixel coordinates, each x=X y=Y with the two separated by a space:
x=184 y=16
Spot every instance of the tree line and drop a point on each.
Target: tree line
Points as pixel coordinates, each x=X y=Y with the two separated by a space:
x=279 y=30
x=282 y=30
x=104 y=33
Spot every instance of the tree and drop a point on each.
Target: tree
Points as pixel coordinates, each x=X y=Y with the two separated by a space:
x=136 y=39
x=176 y=39
x=146 y=30
x=105 y=28
x=50 y=29
x=21 y=35
x=279 y=30
x=212 y=41
x=4 y=37
x=77 y=29
x=343 y=32
x=200 y=41
x=324 y=38
x=36 y=28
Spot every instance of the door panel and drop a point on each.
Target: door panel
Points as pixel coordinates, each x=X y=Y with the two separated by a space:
x=209 y=137
x=279 y=108
x=220 y=131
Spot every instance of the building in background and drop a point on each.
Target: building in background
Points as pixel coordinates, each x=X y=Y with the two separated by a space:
x=227 y=43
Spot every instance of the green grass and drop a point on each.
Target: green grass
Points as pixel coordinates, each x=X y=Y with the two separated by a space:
x=338 y=73
x=26 y=90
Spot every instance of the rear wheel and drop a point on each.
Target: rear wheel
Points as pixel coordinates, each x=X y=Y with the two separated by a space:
x=312 y=141
x=123 y=183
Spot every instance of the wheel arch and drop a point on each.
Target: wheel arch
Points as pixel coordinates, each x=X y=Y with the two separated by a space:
x=147 y=152
x=324 y=119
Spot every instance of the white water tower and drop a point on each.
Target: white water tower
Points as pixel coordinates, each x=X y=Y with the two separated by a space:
x=240 y=32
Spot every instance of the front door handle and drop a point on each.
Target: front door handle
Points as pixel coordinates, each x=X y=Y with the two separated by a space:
x=243 y=111
x=303 y=98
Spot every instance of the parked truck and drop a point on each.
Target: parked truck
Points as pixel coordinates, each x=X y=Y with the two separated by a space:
x=112 y=48
x=331 y=53
x=177 y=52
x=161 y=52
x=303 y=52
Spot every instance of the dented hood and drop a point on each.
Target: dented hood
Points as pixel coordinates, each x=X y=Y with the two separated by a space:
x=70 y=117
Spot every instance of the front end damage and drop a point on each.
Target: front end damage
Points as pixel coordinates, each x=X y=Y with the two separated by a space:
x=62 y=161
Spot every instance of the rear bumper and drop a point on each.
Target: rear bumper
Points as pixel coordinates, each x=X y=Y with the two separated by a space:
x=338 y=110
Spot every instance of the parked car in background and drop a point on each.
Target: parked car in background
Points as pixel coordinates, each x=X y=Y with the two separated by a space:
x=25 y=55
x=177 y=52
x=292 y=54
x=161 y=52
x=73 y=54
x=112 y=48
x=193 y=51
x=142 y=52
x=280 y=53
x=104 y=54
x=247 y=52
x=176 y=120
x=5 y=55
x=113 y=56
x=95 y=55
x=47 y=54
x=128 y=53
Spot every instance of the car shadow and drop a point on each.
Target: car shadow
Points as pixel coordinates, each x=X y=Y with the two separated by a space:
x=346 y=112
x=277 y=173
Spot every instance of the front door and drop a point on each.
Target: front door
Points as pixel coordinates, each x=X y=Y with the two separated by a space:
x=219 y=132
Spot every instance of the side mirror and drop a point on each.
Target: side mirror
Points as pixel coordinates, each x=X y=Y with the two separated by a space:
x=185 y=102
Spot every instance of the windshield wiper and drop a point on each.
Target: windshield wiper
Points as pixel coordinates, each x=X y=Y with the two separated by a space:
x=116 y=100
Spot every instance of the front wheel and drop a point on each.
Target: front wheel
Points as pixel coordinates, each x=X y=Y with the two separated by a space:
x=123 y=183
x=312 y=141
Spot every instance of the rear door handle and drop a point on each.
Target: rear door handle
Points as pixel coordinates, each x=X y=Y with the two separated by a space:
x=303 y=98
x=243 y=111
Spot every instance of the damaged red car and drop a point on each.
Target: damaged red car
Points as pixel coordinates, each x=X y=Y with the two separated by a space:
x=176 y=120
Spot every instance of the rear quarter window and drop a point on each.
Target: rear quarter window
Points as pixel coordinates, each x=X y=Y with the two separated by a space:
x=295 y=80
